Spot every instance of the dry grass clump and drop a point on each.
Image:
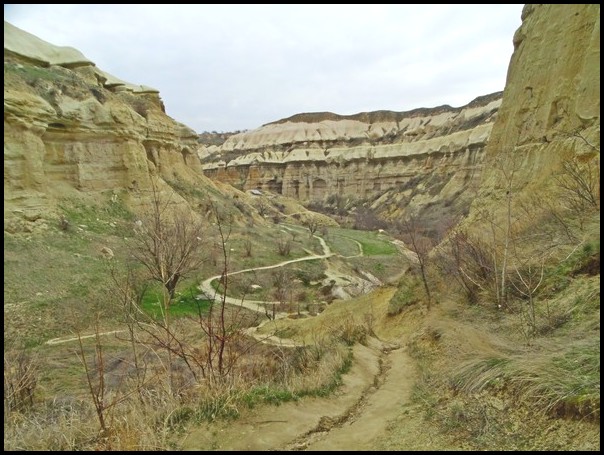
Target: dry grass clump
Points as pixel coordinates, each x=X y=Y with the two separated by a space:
x=150 y=413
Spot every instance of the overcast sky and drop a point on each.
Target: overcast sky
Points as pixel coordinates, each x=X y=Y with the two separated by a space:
x=234 y=67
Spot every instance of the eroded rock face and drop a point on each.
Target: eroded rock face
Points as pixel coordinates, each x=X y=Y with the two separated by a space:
x=553 y=81
x=433 y=153
x=69 y=130
x=551 y=103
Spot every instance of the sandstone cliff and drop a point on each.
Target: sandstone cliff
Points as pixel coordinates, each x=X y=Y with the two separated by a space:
x=72 y=129
x=551 y=106
x=393 y=159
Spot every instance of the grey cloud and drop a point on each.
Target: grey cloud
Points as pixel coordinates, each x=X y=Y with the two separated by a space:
x=227 y=67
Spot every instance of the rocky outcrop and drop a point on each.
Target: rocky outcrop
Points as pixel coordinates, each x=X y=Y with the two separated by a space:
x=70 y=128
x=26 y=48
x=553 y=83
x=32 y=49
x=428 y=153
x=551 y=104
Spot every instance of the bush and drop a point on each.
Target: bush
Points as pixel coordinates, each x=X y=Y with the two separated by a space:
x=20 y=380
x=405 y=296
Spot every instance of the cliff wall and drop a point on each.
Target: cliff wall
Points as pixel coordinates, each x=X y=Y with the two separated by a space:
x=71 y=129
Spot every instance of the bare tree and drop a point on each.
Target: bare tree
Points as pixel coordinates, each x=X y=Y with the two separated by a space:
x=410 y=231
x=213 y=357
x=580 y=184
x=168 y=242
x=508 y=164
x=366 y=219
x=263 y=208
x=312 y=224
x=220 y=338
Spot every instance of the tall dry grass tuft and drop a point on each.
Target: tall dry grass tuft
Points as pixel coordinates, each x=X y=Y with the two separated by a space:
x=565 y=382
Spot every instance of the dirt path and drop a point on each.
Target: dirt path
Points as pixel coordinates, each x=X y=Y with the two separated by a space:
x=254 y=305
x=69 y=339
x=269 y=338
x=356 y=417
x=372 y=395
x=258 y=305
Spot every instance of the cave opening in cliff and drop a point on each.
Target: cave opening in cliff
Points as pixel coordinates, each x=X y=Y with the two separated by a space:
x=275 y=186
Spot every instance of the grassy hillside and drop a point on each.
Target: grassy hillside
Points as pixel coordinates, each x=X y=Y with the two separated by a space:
x=491 y=377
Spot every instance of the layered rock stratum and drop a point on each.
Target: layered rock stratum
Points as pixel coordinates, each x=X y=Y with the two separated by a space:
x=393 y=159
x=71 y=128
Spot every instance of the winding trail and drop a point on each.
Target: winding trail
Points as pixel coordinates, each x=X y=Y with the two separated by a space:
x=258 y=305
x=69 y=339
x=254 y=305
x=372 y=395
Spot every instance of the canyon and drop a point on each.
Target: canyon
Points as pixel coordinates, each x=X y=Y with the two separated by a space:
x=462 y=374
x=430 y=155
x=72 y=128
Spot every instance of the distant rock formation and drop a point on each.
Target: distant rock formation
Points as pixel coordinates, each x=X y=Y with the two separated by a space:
x=429 y=155
x=70 y=127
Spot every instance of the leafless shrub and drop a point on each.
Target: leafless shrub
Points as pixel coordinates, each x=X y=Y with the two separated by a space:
x=247 y=248
x=20 y=380
x=580 y=184
x=284 y=246
x=470 y=262
x=312 y=224
x=409 y=230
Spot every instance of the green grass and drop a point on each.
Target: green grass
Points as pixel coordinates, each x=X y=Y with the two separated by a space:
x=342 y=245
x=406 y=295
x=184 y=188
x=264 y=250
x=184 y=304
x=225 y=406
x=373 y=243
x=573 y=383
x=268 y=395
x=276 y=396
x=52 y=283
x=31 y=73
x=560 y=276
x=98 y=218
